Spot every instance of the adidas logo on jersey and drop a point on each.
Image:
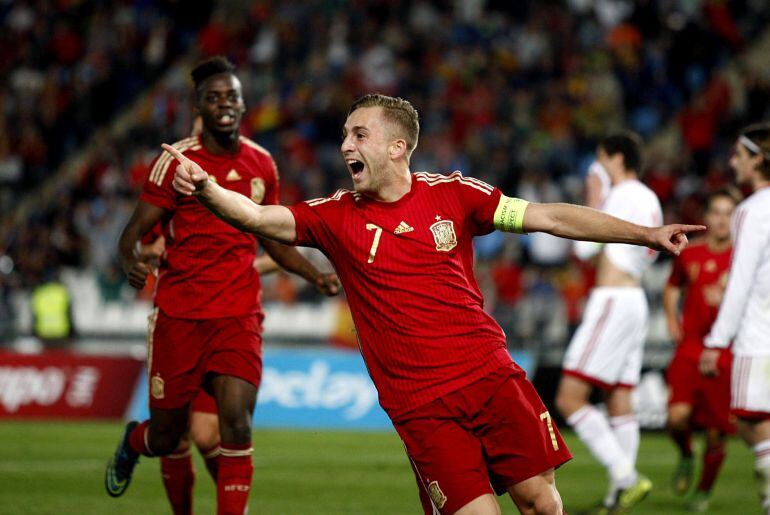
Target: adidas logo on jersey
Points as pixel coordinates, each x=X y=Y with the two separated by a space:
x=402 y=228
x=232 y=175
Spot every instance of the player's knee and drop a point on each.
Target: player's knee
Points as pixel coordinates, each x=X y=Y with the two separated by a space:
x=567 y=403
x=163 y=444
x=548 y=504
x=236 y=428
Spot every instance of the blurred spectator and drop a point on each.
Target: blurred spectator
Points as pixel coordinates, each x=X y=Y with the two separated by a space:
x=52 y=312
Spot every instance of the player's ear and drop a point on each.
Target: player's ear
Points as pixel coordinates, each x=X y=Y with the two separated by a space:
x=397 y=149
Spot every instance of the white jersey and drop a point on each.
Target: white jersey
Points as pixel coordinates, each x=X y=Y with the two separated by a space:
x=634 y=202
x=745 y=311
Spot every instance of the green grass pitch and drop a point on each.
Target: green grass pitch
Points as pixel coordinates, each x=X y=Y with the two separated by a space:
x=57 y=468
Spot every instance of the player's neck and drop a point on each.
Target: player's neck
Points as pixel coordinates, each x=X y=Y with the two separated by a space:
x=393 y=189
x=760 y=183
x=717 y=244
x=622 y=177
x=221 y=143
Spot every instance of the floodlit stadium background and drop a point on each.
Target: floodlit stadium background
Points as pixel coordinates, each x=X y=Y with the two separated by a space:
x=513 y=93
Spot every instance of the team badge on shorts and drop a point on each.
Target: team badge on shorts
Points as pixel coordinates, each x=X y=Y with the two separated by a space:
x=436 y=495
x=444 y=235
x=257 y=190
x=156 y=387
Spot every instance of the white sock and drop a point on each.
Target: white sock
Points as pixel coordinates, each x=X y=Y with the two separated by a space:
x=594 y=431
x=762 y=467
x=626 y=429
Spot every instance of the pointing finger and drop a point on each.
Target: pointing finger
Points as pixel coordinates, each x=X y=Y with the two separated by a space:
x=174 y=152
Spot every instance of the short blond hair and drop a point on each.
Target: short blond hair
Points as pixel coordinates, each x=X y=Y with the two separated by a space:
x=398 y=111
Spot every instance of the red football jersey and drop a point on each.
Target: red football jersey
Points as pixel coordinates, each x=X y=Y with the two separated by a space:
x=702 y=275
x=207 y=270
x=407 y=270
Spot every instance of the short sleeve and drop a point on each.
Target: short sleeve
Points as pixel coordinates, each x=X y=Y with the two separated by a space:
x=480 y=201
x=157 y=189
x=314 y=220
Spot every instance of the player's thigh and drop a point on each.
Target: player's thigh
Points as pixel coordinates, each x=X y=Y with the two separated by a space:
x=572 y=394
x=236 y=350
x=537 y=494
x=619 y=401
x=168 y=427
x=679 y=415
x=175 y=353
x=447 y=461
x=483 y=505
x=609 y=334
x=519 y=437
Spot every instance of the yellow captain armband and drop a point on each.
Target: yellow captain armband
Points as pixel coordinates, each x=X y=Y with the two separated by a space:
x=509 y=215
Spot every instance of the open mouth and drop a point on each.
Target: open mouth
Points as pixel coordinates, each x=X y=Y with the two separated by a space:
x=225 y=119
x=356 y=166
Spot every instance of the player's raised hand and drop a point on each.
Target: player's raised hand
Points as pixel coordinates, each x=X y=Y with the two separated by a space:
x=673 y=238
x=189 y=178
x=328 y=284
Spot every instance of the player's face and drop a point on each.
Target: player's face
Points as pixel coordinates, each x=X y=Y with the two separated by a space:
x=744 y=164
x=221 y=103
x=365 y=141
x=718 y=215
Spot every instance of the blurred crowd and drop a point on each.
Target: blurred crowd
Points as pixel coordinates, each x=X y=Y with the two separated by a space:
x=513 y=93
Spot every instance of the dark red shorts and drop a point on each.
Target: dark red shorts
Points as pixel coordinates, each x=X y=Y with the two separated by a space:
x=708 y=396
x=204 y=403
x=489 y=435
x=180 y=352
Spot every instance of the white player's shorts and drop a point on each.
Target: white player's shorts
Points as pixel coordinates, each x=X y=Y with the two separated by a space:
x=750 y=389
x=606 y=350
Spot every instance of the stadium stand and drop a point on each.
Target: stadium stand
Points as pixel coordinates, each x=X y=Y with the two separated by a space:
x=512 y=93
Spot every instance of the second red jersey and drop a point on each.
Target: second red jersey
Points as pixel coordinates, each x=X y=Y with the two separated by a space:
x=702 y=275
x=407 y=269
x=207 y=270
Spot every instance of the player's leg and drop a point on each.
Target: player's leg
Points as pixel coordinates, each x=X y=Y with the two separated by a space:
x=174 y=350
x=178 y=475
x=750 y=402
x=158 y=436
x=204 y=431
x=713 y=457
x=177 y=469
x=235 y=398
x=537 y=495
x=684 y=382
x=522 y=445
x=593 y=429
x=678 y=425
x=234 y=370
x=623 y=420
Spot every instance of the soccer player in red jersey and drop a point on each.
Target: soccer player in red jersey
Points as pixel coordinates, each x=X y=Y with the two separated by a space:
x=698 y=279
x=402 y=244
x=205 y=329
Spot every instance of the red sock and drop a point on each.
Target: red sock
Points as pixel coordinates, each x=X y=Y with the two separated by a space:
x=211 y=458
x=712 y=462
x=683 y=441
x=178 y=478
x=234 y=479
x=138 y=439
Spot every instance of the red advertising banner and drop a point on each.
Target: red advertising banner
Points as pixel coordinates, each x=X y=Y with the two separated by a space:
x=64 y=385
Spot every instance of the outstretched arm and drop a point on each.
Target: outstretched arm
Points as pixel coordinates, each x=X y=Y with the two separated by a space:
x=273 y=222
x=583 y=223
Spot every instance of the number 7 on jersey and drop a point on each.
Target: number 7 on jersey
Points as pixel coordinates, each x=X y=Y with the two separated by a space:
x=377 y=233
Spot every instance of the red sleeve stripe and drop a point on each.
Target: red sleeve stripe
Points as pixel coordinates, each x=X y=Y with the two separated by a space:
x=433 y=178
x=318 y=201
x=158 y=171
